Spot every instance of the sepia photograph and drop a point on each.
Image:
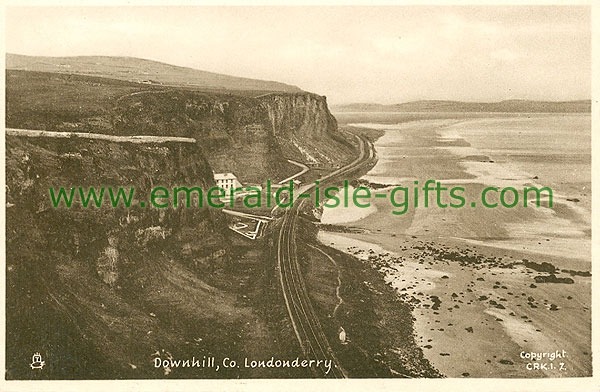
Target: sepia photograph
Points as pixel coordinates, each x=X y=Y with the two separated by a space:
x=299 y=192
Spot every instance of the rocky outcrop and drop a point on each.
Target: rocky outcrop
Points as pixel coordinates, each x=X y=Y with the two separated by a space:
x=300 y=115
x=251 y=137
x=304 y=128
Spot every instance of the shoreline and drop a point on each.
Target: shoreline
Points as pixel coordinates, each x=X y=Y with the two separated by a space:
x=482 y=275
x=499 y=304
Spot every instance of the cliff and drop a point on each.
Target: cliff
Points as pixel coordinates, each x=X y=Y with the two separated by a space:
x=305 y=129
x=300 y=115
x=104 y=276
x=250 y=136
x=35 y=164
x=102 y=292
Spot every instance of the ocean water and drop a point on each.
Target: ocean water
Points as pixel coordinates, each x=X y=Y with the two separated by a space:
x=540 y=150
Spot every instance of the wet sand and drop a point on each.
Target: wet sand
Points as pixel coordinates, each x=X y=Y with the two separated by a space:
x=477 y=307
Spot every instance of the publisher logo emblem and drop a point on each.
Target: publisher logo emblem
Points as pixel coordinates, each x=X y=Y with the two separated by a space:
x=37 y=362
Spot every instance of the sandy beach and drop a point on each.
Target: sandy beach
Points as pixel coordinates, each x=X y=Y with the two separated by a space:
x=478 y=278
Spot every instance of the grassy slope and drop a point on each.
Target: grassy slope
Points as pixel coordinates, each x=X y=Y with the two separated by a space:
x=138 y=70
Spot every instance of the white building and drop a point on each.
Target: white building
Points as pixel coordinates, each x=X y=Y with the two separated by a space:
x=227 y=181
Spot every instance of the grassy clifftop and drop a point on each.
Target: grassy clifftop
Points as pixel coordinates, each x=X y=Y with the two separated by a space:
x=142 y=70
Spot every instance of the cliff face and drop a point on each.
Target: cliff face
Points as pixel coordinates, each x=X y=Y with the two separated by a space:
x=233 y=132
x=305 y=129
x=300 y=115
x=250 y=136
x=35 y=164
x=116 y=286
x=102 y=276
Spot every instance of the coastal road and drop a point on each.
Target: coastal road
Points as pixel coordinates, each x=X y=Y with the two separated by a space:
x=306 y=324
x=301 y=172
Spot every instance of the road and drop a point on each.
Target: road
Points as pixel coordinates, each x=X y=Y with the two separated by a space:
x=306 y=324
x=301 y=172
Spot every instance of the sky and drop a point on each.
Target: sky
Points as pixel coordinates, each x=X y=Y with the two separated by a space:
x=350 y=54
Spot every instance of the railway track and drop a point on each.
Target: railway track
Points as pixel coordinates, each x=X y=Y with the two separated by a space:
x=306 y=325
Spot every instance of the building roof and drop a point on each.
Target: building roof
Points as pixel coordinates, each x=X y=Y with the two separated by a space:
x=225 y=176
